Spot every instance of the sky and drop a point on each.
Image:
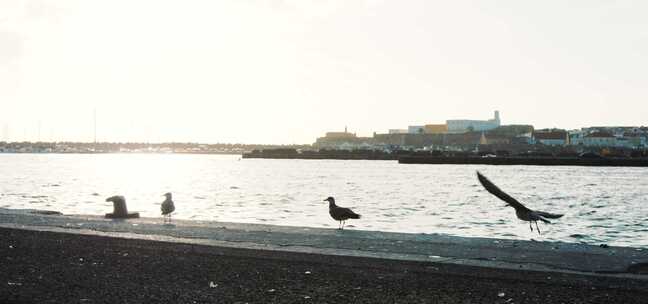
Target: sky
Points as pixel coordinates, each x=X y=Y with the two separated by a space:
x=286 y=72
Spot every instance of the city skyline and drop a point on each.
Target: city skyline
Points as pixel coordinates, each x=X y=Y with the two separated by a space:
x=286 y=72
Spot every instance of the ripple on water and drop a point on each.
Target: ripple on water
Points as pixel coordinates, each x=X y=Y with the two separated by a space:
x=585 y=213
x=374 y=187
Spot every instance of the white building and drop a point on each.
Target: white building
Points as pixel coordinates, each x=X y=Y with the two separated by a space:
x=599 y=139
x=465 y=125
x=416 y=129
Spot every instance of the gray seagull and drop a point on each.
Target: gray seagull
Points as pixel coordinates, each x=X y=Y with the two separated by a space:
x=167 y=207
x=339 y=213
x=522 y=212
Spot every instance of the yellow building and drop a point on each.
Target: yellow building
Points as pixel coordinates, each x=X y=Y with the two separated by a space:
x=436 y=129
x=339 y=135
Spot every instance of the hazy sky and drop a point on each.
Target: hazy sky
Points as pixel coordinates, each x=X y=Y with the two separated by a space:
x=288 y=71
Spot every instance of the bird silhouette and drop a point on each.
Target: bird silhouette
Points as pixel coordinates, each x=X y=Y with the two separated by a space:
x=167 y=207
x=522 y=212
x=340 y=214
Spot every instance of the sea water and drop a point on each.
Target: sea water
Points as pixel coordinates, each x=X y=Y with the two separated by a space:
x=601 y=204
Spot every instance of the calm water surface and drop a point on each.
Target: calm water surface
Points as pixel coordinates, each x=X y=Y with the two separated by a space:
x=601 y=205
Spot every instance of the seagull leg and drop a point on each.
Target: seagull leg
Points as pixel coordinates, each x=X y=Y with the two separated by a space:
x=343 y=222
x=531 y=227
x=538 y=228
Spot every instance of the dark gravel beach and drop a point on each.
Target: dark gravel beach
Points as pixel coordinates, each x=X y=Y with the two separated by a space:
x=47 y=267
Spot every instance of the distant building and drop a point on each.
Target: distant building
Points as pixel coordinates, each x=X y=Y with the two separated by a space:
x=599 y=139
x=483 y=140
x=435 y=129
x=524 y=139
x=342 y=140
x=576 y=136
x=635 y=139
x=552 y=137
x=466 y=125
x=416 y=129
x=340 y=135
x=397 y=131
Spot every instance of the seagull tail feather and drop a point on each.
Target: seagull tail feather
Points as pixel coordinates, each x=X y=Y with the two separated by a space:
x=542 y=219
x=549 y=215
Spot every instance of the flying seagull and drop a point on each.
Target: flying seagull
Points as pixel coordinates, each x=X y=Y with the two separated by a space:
x=522 y=212
x=167 y=207
x=339 y=213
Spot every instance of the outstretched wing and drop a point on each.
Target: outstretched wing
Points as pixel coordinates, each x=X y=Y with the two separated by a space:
x=490 y=187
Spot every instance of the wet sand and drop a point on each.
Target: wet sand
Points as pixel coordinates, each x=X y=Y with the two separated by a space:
x=51 y=267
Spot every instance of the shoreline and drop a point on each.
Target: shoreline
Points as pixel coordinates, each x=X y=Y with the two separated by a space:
x=56 y=267
x=70 y=258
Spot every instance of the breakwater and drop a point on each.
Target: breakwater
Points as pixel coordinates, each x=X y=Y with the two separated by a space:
x=323 y=154
x=528 y=161
x=424 y=157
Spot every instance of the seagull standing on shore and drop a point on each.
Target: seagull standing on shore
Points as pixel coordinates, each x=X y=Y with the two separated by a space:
x=339 y=213
x=167 y=207
x=522 y=212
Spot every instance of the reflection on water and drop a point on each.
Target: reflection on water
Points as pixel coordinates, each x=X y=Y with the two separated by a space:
x=601 y=205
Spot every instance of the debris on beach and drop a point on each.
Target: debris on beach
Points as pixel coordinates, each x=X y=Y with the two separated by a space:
x=501 y=294
x=212 y=284
x=307 y=272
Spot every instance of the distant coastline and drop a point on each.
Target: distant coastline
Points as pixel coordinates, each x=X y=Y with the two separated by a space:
x=428 y=157
x=106 y=147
